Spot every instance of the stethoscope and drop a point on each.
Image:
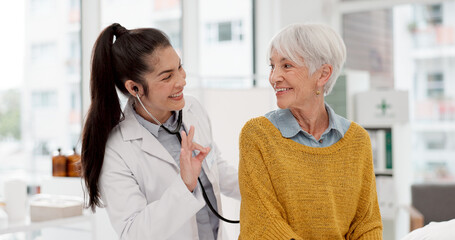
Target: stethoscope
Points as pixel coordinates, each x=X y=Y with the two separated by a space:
x=176 y=132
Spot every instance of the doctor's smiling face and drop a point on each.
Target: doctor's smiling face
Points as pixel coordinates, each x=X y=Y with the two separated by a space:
x=294 y=86
x=165 y=84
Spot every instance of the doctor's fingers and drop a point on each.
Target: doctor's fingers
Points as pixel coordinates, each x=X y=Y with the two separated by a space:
x=196 y=146
x=191 y=134
x=202 y=154
x=186 y=144
x=203 y=151
x=187 y=139
x=183 y=136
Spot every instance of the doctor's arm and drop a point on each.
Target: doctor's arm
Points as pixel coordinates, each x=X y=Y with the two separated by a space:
x=130 y=214
x=229 y=176
x=261 y=214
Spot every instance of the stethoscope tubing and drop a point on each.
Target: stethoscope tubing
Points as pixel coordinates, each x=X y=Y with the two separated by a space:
x=204 y=194
x=176 y=132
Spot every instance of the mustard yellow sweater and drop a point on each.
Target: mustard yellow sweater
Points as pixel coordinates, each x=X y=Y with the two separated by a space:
x=292 y=191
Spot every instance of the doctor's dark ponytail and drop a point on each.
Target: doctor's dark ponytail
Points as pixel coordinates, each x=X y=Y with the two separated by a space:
x=113 y=62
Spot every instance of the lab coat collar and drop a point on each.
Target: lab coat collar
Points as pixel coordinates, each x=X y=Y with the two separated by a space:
x=131 y=129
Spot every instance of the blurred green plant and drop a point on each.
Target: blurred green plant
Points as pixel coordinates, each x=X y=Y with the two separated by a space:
x=10 y=115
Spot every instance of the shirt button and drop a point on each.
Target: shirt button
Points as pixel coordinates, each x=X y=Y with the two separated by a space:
x=320 y=141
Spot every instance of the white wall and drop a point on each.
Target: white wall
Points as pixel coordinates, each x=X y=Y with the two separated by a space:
x=229 y=110
x=90 y=28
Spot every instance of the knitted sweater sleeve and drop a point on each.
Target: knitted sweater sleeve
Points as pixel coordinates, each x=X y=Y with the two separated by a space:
x=367 y=224
x=261 y=214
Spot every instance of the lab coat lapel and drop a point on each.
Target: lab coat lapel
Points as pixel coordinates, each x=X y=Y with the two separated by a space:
x=189 y=119
x=133 y=130
x=153 y=147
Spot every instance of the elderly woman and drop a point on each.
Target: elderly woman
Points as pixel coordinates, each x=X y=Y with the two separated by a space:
x=306 y=172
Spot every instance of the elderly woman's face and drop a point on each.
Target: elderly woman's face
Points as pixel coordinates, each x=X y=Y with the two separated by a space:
x=293 y=86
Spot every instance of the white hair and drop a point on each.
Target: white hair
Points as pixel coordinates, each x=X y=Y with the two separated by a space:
x=311 y=45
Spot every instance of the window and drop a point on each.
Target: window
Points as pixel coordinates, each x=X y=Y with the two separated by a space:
x=410 y=47
x=431 y=25
x=435 y=140
x=40 y=108
x=434 y=14
x=370 y=48
x=226 y=40
x=432 y=102
x=41 y=7
x=45 y=99
x=435 y=85
x=162 y=14
x=224 y=31
x=43 y=52
x=73 y=57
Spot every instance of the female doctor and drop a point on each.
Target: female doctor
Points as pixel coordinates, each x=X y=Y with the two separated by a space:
x=134 y=162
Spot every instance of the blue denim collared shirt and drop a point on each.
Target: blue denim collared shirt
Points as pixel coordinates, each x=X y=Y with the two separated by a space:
x=290 y=128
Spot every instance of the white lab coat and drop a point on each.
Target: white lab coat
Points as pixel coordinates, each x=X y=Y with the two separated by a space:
x=434 y=231
x=143 y=192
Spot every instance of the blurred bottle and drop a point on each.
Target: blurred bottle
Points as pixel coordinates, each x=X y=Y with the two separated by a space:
x=59 y=164
x=73 y=162
x=3 y=216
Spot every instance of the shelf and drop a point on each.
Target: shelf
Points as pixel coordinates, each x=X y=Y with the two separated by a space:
x=435 y=155
x=443 y=126
x=27 y=225
x=431 y=52
x=377 y=127
x=385 y=172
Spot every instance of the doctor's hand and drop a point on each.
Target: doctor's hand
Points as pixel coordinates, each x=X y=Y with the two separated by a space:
x=190 y=167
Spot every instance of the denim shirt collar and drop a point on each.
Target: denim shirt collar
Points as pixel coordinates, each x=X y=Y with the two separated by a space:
x=154 y=128
x=289 y=127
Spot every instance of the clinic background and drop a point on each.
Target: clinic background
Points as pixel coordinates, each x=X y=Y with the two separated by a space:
x=392 y=45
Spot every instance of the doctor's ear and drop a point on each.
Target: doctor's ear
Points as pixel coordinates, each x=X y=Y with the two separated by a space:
x=133 y=88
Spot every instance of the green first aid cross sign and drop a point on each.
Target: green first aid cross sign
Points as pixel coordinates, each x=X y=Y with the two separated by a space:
x=381 y=108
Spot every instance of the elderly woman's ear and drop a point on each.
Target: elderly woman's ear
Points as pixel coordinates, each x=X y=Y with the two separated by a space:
x=325 y=74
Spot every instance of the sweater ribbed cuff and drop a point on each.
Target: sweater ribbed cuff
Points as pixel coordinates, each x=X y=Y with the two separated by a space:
x=278 y=231
x=372 y=235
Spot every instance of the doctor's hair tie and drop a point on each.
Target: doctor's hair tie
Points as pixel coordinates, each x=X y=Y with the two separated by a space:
x=119 y=30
